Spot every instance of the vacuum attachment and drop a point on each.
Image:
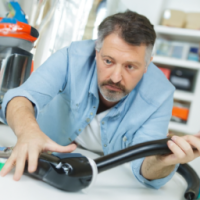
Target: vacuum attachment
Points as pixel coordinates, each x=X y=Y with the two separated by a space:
x=74 y=172
x=70 y=172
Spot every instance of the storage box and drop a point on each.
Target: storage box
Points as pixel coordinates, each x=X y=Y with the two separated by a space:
x=174 y=18
x=193 y=21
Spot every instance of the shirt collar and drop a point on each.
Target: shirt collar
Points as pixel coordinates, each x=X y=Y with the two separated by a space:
x=94 y=83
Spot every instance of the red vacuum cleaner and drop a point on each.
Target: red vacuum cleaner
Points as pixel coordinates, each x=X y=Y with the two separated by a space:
x=16 y=41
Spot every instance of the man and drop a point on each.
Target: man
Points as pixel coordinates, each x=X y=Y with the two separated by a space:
x=104 y=100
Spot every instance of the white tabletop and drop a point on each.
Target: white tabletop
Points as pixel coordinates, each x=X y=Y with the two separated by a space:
x=118 y=183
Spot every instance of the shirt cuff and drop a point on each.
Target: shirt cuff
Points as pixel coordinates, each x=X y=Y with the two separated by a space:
x=17 y=92
x=157 y=183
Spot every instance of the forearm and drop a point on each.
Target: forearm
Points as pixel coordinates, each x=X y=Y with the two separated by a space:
x=153 y=168
x=20 y=115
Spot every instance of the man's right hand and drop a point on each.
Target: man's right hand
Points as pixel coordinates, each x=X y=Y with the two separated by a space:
x=31 y=141
x=28 y=147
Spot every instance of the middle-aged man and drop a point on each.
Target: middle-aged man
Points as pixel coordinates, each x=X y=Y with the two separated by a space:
x=104 y=100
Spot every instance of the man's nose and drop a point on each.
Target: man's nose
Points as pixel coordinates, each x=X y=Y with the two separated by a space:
x=116 y=75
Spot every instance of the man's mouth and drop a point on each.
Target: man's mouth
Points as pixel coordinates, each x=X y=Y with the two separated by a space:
x=113 y=87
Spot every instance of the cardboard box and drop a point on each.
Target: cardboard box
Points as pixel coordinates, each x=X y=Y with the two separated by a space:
x=174 y=18
x=193 y=21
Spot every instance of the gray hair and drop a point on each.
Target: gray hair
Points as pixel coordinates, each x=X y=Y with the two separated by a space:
x=133 y=28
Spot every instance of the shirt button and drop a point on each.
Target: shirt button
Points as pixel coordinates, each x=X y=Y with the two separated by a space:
x=94 y=107
x=105 y=145
x=79 y=130
x=88 y=120
x=124 y=138
x=77 y=105
x=102 y=123
x=91 y=113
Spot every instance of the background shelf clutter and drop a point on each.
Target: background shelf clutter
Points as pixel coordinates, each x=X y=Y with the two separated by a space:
x=176 y=53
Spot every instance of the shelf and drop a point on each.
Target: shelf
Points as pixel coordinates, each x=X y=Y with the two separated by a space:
x=179 y=34
x=176 y=62
x=183 y=96
x=174 y=126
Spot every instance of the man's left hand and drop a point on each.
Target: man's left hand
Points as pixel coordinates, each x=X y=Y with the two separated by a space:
x=184 y=149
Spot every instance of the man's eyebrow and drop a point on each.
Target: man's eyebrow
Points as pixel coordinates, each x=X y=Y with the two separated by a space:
x=130 y=62
x=108 y=57
x=135 y=63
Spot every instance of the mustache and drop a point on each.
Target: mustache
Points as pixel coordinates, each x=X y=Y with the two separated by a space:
x=117 y=85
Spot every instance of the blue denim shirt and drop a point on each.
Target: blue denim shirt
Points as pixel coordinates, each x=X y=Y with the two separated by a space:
x=64 y=91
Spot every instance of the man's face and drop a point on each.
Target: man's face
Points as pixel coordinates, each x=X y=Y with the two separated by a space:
x=120 y=66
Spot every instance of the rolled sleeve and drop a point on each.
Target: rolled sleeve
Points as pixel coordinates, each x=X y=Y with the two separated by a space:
x=17 y=93
x=157 y=183
x=155 y=128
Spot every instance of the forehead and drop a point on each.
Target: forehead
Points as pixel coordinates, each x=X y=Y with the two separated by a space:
x=116 y=47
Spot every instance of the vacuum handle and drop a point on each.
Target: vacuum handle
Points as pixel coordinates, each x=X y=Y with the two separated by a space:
x=156 y=147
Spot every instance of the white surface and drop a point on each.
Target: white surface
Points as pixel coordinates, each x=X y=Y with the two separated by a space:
x=182 y=95
x=179 y=34
x=176 y=62
x=117 y=184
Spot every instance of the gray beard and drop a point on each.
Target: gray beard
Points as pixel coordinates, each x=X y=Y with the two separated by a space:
x=111 y=96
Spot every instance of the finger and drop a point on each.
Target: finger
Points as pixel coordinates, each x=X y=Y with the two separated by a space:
x=193 y=141
x=185 y=146
x=52 y=146
x=178 y=155
x=10 y=163
x=20 y=163
x=33 y=155
x=198 y=134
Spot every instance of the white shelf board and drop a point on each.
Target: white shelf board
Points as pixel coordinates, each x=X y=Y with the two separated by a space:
x=176 y=62
x=179 y=34
x=184 y=96
x=183 y=128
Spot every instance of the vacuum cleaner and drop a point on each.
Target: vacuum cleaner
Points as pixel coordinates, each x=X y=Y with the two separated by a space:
x=16 y=40
x=73 y=172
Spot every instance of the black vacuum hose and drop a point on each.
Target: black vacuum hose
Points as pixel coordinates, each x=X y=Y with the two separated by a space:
x=156 y=147
x=192 y=180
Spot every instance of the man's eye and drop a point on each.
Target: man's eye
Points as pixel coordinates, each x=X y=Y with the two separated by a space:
x=130 y=67
x=108 y=62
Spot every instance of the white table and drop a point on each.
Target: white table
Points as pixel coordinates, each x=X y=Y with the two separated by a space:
x=117 y=184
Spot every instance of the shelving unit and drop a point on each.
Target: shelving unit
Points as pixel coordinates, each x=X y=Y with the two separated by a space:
x=176 y=62
x=193 y=98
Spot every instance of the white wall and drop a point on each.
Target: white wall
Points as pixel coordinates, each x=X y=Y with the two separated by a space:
x=2 y=9
x=152 y=9
x=184 y=5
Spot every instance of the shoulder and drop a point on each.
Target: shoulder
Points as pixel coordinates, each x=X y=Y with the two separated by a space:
x=84 y=48
x=154 y=87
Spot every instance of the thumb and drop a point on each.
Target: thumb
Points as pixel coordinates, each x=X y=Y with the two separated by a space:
x=54 y=147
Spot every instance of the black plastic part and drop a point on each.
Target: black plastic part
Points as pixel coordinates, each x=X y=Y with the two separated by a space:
x=74 y=174
x=192 y=180
x=157 y=147
x=34 y=32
